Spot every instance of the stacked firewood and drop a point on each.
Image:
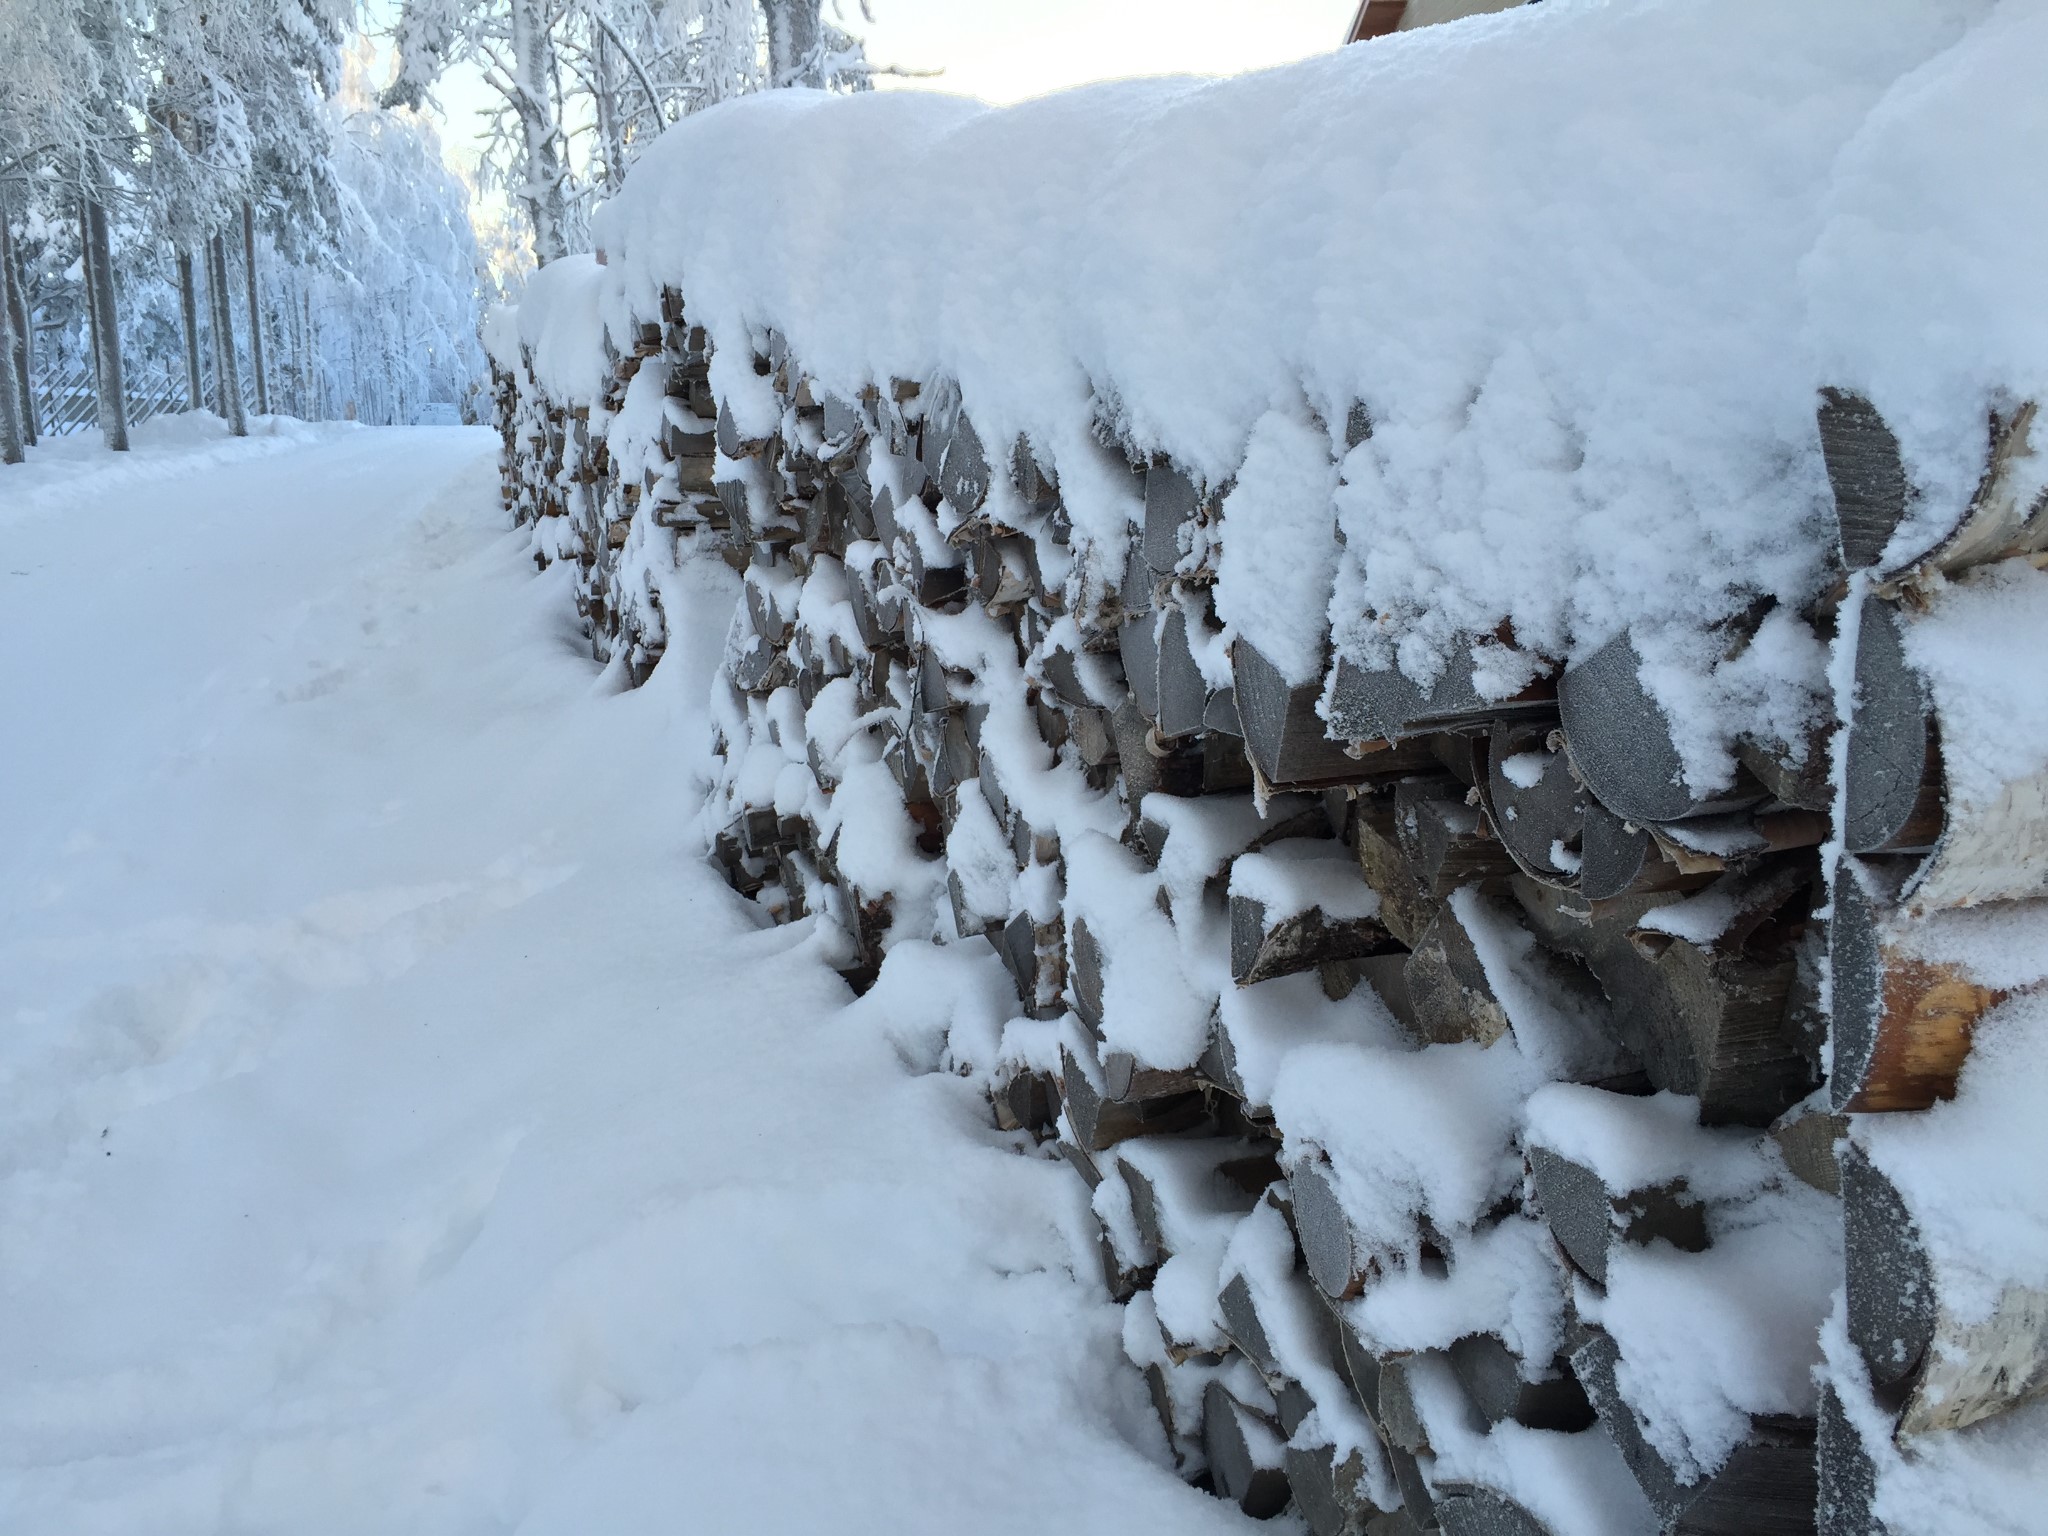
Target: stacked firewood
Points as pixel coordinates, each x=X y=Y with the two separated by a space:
x=1944 y=843
x=1408 y=1038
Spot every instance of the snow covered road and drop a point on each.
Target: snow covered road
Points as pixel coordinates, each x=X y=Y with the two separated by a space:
x=401 y=1127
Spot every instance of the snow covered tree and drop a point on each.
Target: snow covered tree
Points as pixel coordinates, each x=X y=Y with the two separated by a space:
x=583 y=83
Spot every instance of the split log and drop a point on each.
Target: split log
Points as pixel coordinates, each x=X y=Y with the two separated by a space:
x=1990 y=846
x=1171 y=501
x=968 y=919
x=1866 y=476
x=1283 y=734
x=963 y=474
x=1621 y=743
x=1589 y=1220
x=1224 y=1173
x=761 y=668
x=1406 y=907
x=1387 y=977
x=1180 y=691
x=1798 y=778
x=1241 y=1325
x=1465 y=1510
x=1125 y=1079
x=1847 y=1478
x=731 y=442
x=1329 y=1492
x=1450 y=998
x=1138 y=649
x=1032 y=953
x=1277 y=929
x=1093 y=734
x=1401 y=1419
x=1027 y=1101
x=1418 y=1499
x=1873 y=493
x=1336 y=1261
x=1220 y=714
x=1536 y=803
x=1494 y=1384
x=1358 y=1365
x=1720 y=1019
x=1084 y=975
x=1901 y=1025
x=1938 y=1370
x=1099 y=1122
x=1123 y=1276
x=1035 y=484
x=1444 y=838
x=1245 y=1454
x=1766 y=1487
x=1372 y=705
x=1893 y=794
x=1805 y=1137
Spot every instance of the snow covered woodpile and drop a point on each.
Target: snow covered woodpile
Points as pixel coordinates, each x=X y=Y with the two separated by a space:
x=1459 y=624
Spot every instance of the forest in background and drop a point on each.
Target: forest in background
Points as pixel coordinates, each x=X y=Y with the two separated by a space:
x=224 y=207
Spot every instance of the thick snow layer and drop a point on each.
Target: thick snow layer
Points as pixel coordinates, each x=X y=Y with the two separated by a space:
x=1493 y=239
x=76 y=474
x=560 y=330
x=1932 y=233
x=402 y=1128
x=1993 y=716
x=1423 y=1133
x=1304 y=874
x=1707 y=1339
x=1640 y=1143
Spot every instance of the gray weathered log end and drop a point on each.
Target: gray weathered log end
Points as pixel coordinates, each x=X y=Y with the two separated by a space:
x=1227 y=1430
x=1866 y=474
x=1890 y=803
x=1283 y=734
x=1620 y=738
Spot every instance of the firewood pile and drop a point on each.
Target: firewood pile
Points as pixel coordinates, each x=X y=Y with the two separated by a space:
x=1478 y=1120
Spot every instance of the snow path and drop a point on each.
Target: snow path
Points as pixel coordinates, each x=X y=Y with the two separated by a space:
x=402 y=1130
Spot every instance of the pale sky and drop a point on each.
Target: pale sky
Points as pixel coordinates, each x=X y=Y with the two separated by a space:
x=1006 y=50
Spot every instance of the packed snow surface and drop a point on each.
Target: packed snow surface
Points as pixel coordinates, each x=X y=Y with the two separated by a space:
x=403 y=1129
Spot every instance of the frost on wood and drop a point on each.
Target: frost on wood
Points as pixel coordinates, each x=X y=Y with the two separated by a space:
x=1492 y=822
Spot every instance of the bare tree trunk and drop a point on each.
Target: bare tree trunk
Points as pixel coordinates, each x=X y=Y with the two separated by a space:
x=533 y=60
x=309 y=358
x=609 y=129
x=106 y=312
x=255 y=310
x=226 y=369
x=11 y=451
x=793 y=29
x=188 y=311
x=21 y=362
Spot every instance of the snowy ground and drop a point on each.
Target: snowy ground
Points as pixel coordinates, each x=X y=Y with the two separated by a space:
x=401 y=1129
